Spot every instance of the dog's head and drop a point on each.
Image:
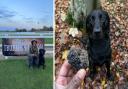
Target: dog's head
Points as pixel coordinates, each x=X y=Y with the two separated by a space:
x=97 y=24
x=42 y=51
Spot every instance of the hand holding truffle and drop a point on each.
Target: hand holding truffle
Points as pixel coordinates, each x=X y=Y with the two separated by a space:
x=67 y=79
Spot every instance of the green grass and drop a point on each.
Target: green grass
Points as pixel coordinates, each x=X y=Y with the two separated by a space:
x=48 y=40
x=14 y=74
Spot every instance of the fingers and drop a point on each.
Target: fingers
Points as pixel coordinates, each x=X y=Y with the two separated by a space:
x=76 y=81
x=65 y=80
x=65 y=68
x=58 y=86
x=63 y=75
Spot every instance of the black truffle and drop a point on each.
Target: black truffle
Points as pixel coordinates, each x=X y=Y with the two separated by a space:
x=78 y=58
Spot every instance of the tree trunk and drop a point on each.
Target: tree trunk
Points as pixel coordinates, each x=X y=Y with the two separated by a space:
x=83 y=6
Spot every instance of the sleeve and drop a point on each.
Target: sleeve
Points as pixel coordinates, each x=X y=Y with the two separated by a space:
x=30 y=50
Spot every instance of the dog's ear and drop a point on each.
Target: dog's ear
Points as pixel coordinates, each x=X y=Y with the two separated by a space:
x=88 y=23
x=107 y=21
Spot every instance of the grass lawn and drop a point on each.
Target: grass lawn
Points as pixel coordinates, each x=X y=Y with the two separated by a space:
x=48 y=40
x=14 y=74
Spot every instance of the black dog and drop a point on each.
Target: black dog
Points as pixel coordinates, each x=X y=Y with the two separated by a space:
x=41 y=58
x=98 y=45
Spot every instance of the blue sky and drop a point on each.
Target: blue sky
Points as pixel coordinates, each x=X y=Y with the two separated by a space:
x=25 y=14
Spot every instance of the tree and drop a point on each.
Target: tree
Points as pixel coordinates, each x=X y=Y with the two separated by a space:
x=21 y=30
x=33 y=30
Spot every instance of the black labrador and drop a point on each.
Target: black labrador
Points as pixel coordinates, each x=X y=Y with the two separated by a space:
x=41 y=58
x=98 y=42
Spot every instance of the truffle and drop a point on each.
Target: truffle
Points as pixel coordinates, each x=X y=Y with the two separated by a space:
x=78 y=58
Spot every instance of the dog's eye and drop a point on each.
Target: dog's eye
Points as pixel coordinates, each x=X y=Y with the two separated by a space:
x=93 y=18
x=100 y=16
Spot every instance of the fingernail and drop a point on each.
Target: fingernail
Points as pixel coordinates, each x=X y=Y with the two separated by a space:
x=82 y=73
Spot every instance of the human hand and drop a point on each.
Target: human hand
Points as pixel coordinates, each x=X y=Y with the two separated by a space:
x=67 y=79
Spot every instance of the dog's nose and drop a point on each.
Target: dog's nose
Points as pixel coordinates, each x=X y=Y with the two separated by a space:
x=97 y=30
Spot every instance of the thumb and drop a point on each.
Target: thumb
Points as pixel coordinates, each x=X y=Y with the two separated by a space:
x=76 y=81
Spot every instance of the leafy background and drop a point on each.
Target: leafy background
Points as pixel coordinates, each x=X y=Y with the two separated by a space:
x=118 y=12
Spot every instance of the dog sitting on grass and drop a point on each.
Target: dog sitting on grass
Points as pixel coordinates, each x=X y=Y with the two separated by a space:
x=41 y=58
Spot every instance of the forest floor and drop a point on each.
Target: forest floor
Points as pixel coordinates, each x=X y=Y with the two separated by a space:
x=118 y=12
